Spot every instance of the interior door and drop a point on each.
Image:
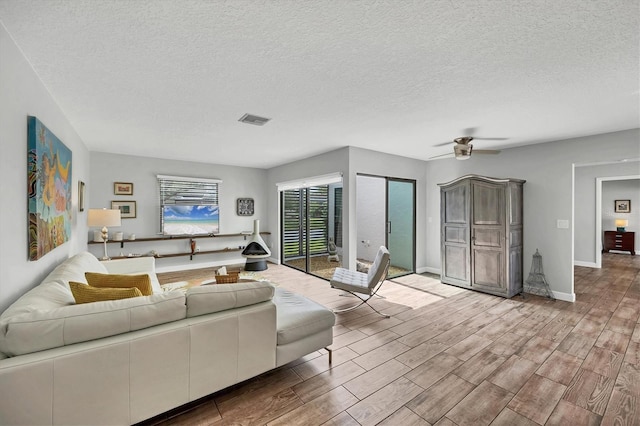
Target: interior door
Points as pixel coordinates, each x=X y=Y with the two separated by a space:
x=401 y=225
x=487 y=236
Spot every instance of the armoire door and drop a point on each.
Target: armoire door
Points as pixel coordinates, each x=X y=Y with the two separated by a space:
x=454 y=212
x=488 y=236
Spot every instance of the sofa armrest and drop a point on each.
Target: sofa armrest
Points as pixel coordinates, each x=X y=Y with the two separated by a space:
x=212 y=298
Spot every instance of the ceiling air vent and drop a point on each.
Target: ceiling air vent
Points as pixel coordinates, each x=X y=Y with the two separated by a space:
x=254 y=119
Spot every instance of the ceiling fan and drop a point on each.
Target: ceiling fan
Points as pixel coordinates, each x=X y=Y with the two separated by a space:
x=463 y=147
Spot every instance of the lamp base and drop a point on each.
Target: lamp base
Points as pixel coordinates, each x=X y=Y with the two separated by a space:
x=620 y=229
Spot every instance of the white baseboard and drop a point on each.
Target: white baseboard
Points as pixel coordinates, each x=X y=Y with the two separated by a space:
x=567 y=297
x=428 y=269
x=585 y=264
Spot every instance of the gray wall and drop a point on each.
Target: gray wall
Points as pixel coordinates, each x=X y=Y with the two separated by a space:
x=548 y=169
x=376 y=163
x=237 y=182
x=331 y=162
x=22 y=94
x=585 y=205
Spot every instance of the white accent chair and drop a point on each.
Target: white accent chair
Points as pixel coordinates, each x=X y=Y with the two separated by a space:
x=361 y=285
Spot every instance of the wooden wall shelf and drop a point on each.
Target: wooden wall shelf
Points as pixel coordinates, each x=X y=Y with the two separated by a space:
x=176 y=238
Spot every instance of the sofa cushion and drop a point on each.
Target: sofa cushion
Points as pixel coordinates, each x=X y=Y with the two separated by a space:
x=299 y=317
x=44 y=329
x=142 y=282
x=84 y=293
x=207 y=299
x=135 y=266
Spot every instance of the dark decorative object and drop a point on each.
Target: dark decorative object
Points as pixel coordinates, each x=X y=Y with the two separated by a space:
x=537 y=283
x=245 y=207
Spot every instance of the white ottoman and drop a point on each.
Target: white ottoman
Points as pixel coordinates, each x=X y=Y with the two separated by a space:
x=303 y=326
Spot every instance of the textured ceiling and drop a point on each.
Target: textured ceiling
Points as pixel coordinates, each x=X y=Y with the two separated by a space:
x=170 y=79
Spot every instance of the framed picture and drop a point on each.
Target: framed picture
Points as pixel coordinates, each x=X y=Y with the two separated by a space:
x=623 y=206
x=80 y=196
x=127 y=208
x=49 y=190
x=122 y=188
x=245 y=207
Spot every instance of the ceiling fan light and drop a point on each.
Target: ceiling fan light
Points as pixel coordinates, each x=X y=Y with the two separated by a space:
x=462 y=152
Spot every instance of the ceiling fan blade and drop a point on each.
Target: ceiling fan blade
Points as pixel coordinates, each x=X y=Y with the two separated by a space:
x=490 y=139
x=486 y=151
x=450 y=154
x=469 y=131
x=443 y=144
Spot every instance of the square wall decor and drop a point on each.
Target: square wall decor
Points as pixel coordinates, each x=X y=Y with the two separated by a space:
x=49 y=189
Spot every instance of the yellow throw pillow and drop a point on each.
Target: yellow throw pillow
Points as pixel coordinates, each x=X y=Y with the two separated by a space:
x=84 y=293
x=141 y=282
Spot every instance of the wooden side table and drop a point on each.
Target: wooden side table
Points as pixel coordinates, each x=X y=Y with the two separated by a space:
x=623 y=241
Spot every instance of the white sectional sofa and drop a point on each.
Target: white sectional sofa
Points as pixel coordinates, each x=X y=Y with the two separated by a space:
x=124 y=361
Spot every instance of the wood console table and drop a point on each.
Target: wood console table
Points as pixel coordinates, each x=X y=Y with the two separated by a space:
x=623 y=241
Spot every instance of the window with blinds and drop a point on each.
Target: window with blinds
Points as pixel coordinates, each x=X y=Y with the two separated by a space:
x=189 y=206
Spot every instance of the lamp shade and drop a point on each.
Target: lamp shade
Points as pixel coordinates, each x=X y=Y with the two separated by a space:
x=621 y=223
x=104 y=217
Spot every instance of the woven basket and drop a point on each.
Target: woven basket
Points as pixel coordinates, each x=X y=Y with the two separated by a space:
x=232 y=277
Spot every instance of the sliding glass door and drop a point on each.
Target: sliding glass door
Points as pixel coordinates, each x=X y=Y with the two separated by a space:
x=311 y=221
x=385 y=210
x=401 y=225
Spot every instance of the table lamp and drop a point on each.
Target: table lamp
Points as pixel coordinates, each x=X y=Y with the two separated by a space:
x=104 y=218
x=621 y=224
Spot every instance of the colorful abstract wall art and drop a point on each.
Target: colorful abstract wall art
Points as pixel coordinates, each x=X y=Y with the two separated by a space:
x=49 y=187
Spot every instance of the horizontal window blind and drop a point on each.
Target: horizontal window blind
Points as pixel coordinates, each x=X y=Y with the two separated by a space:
x=187 y=190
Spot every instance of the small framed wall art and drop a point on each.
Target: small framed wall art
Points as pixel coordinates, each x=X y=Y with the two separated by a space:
x=623 y=206
x=122 y=188
x=127 y=208
x=80 y=196
x=245 y=207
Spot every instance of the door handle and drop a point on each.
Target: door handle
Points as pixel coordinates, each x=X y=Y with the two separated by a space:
x=388 y=227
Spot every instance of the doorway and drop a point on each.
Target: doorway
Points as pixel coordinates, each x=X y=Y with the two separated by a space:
x=385 y=209
x=311 y=224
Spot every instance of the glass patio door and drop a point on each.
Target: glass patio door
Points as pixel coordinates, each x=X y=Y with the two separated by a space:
x=307 y=216
x=401 y=225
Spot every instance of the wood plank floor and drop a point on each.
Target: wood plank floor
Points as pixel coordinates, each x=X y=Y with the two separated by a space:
x=448 y=356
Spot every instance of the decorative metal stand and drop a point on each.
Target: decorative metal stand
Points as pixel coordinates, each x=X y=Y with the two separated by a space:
x=537 y=283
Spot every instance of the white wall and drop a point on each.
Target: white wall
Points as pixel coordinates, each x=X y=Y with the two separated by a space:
x=370 y=213
x=585 y=206
x=22 y=94
x=621 y=190
x=237 y=182
x=548 y=169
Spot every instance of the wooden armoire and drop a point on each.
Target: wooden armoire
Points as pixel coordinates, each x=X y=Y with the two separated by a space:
x=481 y=234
